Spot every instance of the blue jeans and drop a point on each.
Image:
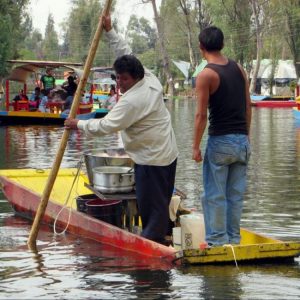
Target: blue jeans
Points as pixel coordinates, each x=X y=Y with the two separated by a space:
x=224 y=180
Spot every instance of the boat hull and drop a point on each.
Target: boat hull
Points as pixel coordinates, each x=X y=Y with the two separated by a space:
x=25 y=202
x=254 y=248
x=39 y=118
x=274 y=104
x=23 y=189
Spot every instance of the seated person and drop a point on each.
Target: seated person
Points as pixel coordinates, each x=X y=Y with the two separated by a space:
x=44 y=100
x=20 y=96
x=35 y=98
x=112 y=99
x=68 y=104
x=71 y=86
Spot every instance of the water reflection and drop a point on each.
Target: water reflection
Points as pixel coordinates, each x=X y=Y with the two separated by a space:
x=212 y=280
x=72 y=267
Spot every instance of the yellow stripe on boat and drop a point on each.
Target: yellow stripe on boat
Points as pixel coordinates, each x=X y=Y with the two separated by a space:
x=34 y=114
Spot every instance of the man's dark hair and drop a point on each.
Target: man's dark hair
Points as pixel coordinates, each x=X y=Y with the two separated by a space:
x=131 y=65
x=211 y=38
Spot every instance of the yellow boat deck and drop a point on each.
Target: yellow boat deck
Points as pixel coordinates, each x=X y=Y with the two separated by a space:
x=35 y=180
x=253 y=247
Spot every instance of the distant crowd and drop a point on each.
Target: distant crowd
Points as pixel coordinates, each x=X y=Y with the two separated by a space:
x=48 y=92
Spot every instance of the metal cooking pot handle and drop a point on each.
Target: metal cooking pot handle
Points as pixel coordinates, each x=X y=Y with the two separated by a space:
x=120 y=178
x=130 y=171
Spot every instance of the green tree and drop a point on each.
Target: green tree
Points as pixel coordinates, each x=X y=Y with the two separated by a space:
x=50 y=45
x=140 y=34
x=31 y=48
x=234 y=18
x=79 y=31
x=11 y=19
x=291 y=9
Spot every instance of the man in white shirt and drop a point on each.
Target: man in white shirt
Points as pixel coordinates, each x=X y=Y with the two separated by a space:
x=147 y=135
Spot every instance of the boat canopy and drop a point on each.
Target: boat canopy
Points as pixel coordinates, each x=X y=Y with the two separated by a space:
x=108 y=70
x=26 y=67
x=102 y=75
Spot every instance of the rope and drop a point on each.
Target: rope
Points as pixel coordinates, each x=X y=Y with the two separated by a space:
x=232 y=249
x=76 y=179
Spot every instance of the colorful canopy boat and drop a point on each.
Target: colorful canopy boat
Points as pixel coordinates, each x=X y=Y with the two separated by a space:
x=23 y=189
x=20 y=112
x=100 y=82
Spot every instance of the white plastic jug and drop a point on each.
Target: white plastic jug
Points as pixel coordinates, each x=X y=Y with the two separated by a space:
x=192 y=230
x=176 y=233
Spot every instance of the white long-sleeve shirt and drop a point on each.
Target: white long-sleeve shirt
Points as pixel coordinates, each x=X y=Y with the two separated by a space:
x=142 y=117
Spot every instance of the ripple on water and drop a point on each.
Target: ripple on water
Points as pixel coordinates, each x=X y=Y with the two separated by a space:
x=68 y=267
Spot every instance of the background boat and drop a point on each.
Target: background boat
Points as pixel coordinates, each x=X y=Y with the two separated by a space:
x=27 y=72
x=272 y=101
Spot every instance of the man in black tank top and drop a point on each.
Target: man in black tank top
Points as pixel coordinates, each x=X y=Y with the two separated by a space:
x=222 y=89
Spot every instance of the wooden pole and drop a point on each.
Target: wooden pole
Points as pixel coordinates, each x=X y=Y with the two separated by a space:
x=60 y=152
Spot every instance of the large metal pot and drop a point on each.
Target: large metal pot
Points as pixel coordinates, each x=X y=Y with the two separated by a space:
x=105 y=157
x=113 y=179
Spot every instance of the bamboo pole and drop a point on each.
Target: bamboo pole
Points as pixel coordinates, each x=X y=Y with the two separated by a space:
x=60 y=152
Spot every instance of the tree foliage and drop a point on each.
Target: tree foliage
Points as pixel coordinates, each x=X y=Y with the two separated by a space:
x=140 y=34
x=278 y=25
x=50 y=47
x=11 y=22
x=79 y=31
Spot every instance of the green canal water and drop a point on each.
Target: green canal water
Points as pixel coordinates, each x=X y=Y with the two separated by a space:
x=68 y=267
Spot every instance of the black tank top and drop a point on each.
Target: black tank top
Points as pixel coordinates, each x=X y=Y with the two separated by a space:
x=227 y=105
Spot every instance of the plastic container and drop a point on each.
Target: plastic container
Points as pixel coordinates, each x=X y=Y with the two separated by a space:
x=192 y=230
x=109 y=211
x=176 y=234
x=83 y=199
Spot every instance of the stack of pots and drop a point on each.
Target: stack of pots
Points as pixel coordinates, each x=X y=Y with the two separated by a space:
x=110 y=170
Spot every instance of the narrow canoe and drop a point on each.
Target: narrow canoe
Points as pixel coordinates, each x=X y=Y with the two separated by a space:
x=41 y=118
x=23 y=189
x=274 y=103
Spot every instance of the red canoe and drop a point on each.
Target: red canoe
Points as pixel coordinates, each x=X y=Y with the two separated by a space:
x=23 y=189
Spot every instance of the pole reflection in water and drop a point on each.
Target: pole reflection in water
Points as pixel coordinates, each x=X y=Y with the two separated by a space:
x=69 y=267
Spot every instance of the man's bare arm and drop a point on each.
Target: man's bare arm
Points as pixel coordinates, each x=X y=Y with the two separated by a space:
x=248 y=100
x=202 y=92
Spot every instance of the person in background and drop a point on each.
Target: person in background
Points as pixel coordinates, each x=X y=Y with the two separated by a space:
x=21 y=96
x=44 y=100
x=147 y=135
x=71 y=86
x=48 y=80
x=112 y=99
x=222 y=88
x=35 y=98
